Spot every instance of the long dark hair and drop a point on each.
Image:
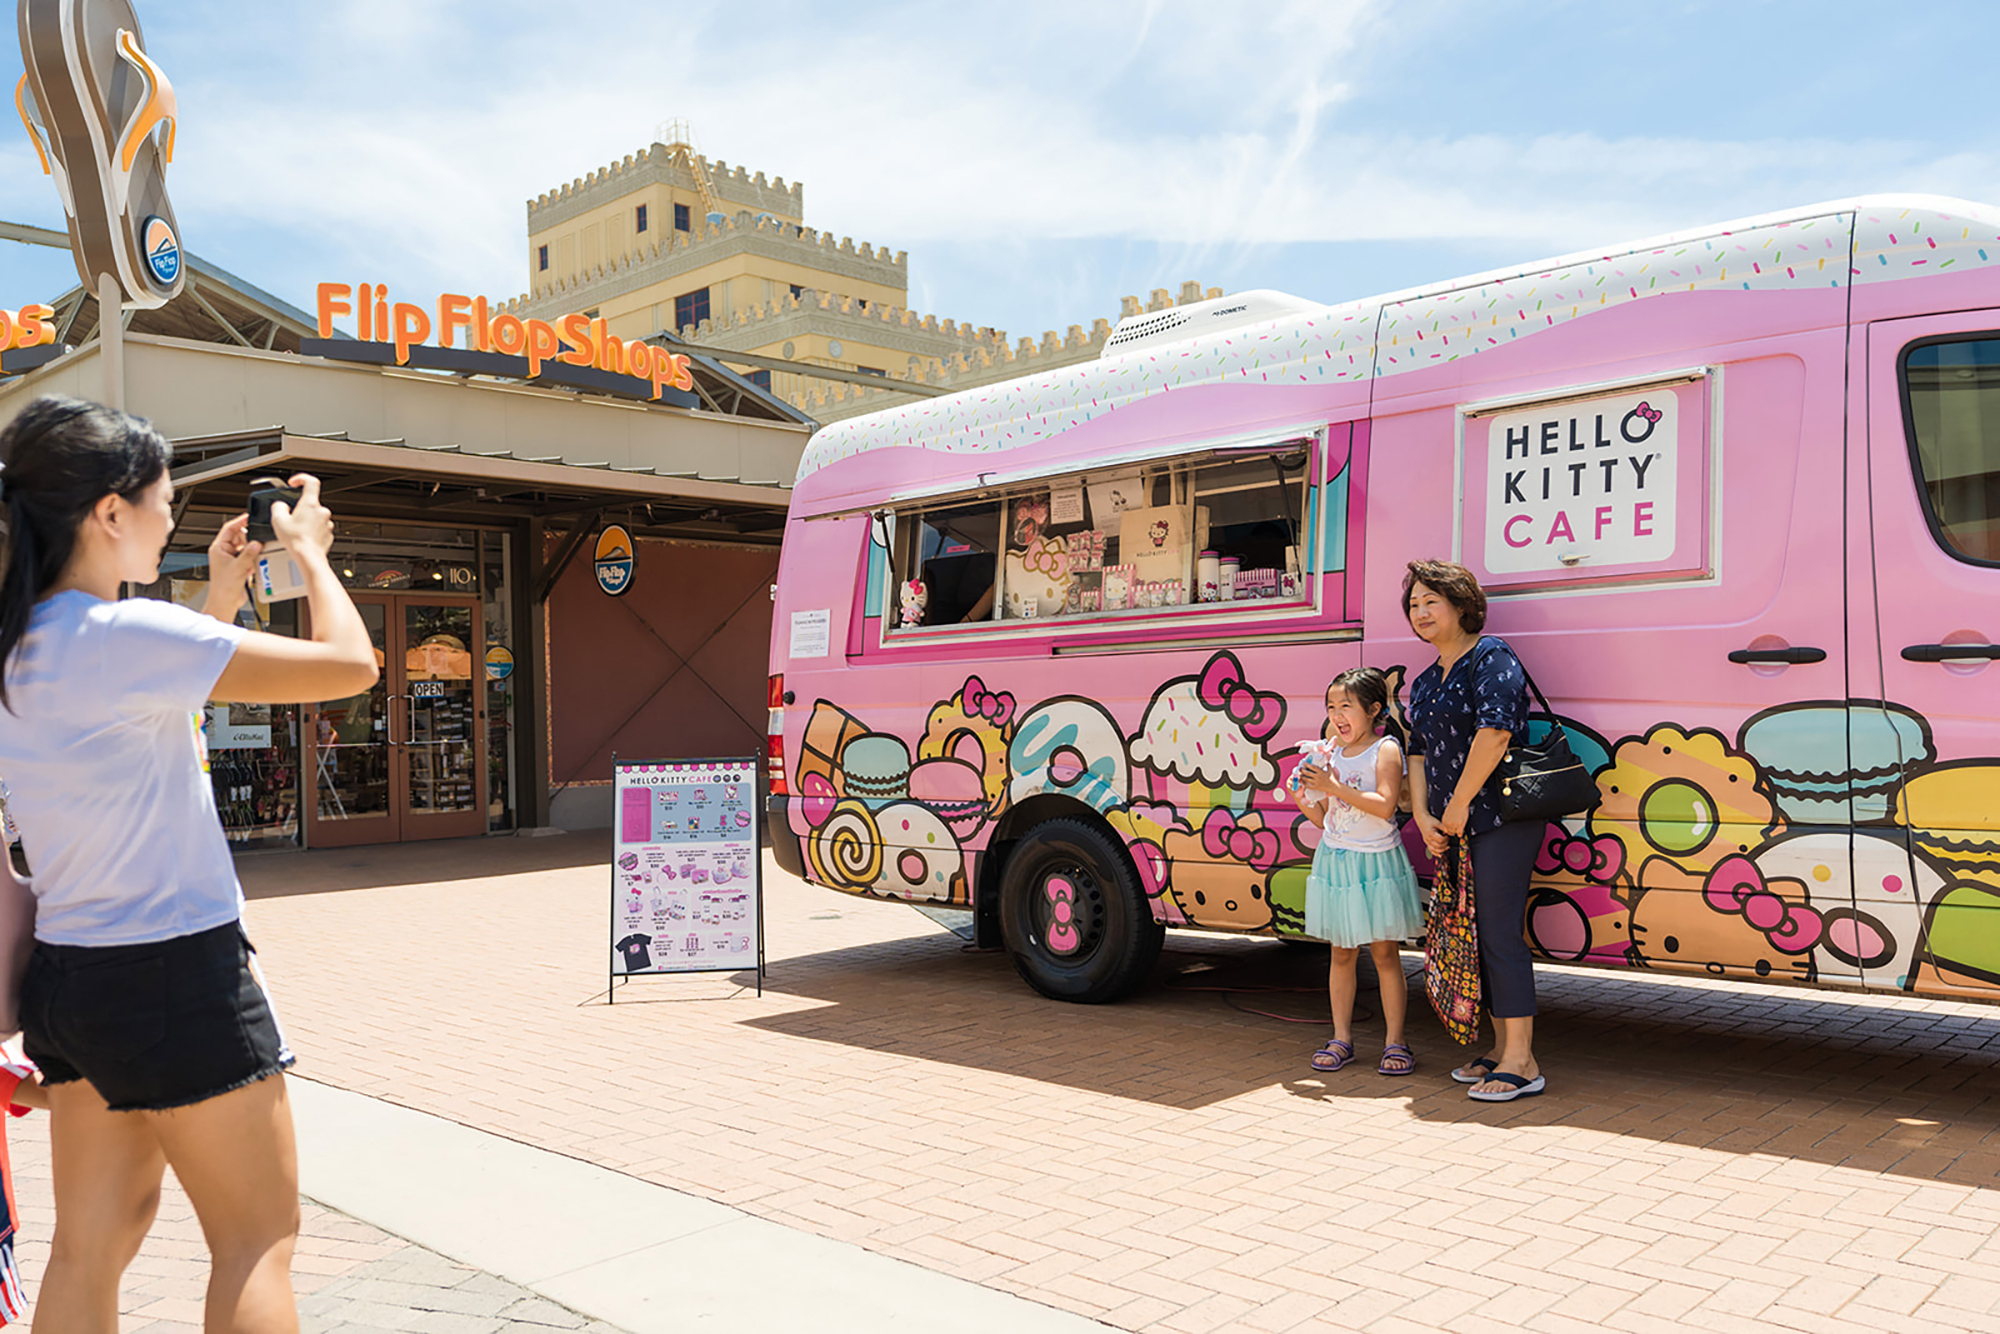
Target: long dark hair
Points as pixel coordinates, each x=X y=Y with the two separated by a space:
x=1369 y=687
x=57 y=460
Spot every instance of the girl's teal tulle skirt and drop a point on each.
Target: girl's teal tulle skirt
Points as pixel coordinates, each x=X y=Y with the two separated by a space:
x=1356 y=898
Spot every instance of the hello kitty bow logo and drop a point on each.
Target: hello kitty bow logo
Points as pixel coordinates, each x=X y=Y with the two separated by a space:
x=1222 y=688
x=1637 y=425
x=1599 y=859
x=1737 y=886
x=1221 y=836
x=995 y=707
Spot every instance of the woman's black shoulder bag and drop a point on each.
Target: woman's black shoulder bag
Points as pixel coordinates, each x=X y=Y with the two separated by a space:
x=1543 y=780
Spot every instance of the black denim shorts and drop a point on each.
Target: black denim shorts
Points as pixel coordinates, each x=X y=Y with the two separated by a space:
x=154 y=1026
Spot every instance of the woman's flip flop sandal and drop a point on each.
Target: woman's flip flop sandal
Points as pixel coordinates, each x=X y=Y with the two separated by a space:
x=1332 y=1056
x=1518 y=1086
x=1486 y=1065
x=1405 y=1060
x=102 y=116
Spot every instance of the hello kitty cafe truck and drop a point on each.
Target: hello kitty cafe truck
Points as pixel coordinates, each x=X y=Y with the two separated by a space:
x=1047 y=650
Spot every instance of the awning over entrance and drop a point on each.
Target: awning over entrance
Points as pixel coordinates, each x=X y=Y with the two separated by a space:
x=431 y=446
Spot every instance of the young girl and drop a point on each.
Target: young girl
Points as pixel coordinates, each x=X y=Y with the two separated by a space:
x=1361 y=890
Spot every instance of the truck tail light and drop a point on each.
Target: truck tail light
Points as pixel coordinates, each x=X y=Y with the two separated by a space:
x=774 y=739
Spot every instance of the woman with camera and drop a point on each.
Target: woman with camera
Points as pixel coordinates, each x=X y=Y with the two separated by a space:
x=141 y=1002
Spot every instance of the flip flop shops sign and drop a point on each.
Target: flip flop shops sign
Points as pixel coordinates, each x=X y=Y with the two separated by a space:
x=576 y=340
x=27 y=327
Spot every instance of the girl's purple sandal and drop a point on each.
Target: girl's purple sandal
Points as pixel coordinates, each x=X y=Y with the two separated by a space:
x=1397 y=1059
x=1332 y=1056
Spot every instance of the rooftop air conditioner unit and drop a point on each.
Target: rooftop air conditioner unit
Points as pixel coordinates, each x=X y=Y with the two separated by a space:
x=1198 y=319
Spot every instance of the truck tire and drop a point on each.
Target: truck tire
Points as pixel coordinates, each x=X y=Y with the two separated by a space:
x=1073 y=914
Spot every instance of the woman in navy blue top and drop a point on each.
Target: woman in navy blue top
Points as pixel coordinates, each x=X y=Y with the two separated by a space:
x=1464 y=708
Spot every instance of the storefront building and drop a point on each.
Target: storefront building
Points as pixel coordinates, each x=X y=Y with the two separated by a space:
x=554 y=568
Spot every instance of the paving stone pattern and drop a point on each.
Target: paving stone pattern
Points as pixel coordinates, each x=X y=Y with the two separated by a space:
x=349 y=1276
x=1710 y=1156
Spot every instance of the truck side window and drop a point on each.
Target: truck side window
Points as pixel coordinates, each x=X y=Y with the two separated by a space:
x=1224 y=528
x=1952 y=396
x=951 y=551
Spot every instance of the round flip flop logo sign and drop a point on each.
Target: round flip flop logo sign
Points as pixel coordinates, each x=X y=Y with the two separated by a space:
x=614 y=560
x=163 y=250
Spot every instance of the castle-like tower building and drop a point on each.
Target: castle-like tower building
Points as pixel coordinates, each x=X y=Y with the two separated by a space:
x=668 y=240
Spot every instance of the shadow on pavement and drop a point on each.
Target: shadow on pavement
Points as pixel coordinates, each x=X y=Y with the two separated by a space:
x=1870 y=1083
x=270 y=875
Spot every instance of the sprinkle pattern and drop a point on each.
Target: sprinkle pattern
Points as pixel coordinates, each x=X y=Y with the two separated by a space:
x=1865 y=241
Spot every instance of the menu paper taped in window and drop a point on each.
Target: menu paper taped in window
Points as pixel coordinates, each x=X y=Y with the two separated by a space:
x=812 y=633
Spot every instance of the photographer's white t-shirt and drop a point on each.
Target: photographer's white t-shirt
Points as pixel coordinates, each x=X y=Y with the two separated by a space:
x=104 y=763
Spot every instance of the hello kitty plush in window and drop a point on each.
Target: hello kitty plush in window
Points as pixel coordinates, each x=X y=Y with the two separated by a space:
x=913 y=600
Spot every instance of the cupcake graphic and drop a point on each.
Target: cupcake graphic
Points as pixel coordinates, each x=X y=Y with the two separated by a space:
x=1202 y=743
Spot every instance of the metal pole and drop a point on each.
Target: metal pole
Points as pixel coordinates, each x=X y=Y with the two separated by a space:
x=111 y=338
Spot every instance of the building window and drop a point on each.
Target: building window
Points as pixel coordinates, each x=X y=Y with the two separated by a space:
x=872 y=370
x=542 y=258
x=639 y=220
x=691 y=308
x=683 y=221
x=762 y=379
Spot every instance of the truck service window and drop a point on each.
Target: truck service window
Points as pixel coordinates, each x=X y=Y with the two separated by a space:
x=1953 y=393
x=1162 y=536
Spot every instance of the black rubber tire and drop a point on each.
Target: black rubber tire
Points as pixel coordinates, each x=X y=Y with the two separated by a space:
x=1117 y=942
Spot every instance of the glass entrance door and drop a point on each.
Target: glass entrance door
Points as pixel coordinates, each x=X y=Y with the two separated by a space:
x=403 y=760
x=440 y=724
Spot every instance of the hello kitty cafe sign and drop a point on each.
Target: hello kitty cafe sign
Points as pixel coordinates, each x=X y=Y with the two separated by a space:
x=1585 y=485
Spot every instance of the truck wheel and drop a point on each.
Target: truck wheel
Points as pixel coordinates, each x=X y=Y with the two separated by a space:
x=1073 y=914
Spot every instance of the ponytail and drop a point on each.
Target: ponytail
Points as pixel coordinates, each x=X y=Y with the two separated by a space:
x=58 y=458
x=1369 y=687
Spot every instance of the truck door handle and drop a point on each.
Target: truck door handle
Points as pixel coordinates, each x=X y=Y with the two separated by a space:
x=1950 y=652
x=1787 y=655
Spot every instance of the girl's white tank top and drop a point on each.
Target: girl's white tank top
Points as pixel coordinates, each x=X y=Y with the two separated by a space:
x=1351 y=829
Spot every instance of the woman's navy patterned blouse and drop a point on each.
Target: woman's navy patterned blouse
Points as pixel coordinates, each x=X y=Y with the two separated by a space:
x=1486 y=688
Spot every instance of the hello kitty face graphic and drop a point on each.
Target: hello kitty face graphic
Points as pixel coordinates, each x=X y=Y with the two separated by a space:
x=1157 y=531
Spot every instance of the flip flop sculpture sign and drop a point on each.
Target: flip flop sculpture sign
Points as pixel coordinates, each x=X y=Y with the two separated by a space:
x=102 y=117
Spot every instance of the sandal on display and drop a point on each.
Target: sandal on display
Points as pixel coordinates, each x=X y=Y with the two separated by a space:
x=1397 y=1059
x=1485 y=1065
x=102 y=117
x=1332 y=1056
x=1518 y=1086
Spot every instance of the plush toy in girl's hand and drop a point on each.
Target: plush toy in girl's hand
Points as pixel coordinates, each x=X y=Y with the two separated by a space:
x=915 y=598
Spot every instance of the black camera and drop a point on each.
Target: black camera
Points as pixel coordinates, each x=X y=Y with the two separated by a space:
x=266 y=492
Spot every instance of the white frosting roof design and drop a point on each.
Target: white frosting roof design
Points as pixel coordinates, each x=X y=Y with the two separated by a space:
x=1892 y=237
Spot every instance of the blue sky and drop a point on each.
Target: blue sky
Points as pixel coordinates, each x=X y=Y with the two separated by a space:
x=1039 y=160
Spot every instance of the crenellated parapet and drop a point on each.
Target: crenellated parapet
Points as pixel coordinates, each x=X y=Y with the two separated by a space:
x=735 y=187
x=664 y=254
x=825 y=400
x=838 y=316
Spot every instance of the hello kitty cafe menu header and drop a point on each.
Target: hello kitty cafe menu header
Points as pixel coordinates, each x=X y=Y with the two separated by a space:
x=685 y=879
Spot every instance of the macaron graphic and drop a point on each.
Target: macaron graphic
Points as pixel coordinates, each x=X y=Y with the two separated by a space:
x=1953 y=814
x=954 y=790
x=1816 y=755
x=877 y=769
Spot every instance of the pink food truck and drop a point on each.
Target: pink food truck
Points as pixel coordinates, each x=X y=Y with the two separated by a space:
x=1047 y=650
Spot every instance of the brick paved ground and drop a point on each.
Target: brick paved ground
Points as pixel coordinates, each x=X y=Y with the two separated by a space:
x=349 y=1276
x=1711 y=1156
